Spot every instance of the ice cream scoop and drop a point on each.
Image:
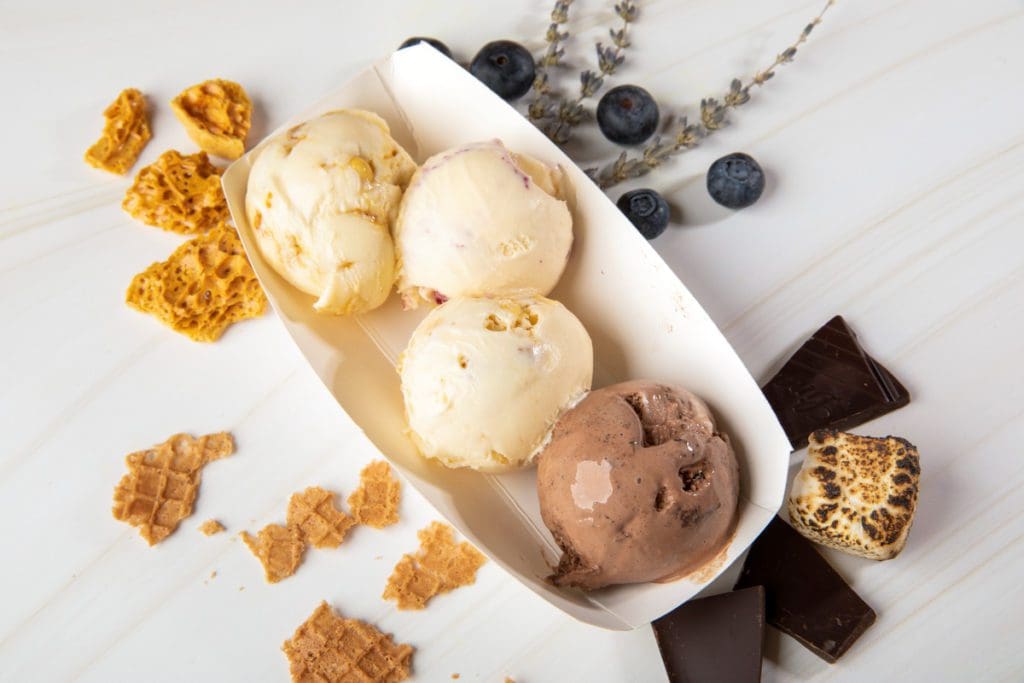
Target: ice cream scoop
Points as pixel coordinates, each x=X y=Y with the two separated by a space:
x=321 y=200
x=480 y=220
x=636 y=484
x=485 y=379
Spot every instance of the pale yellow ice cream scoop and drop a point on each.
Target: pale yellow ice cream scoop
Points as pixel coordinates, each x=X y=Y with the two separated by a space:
x=485 y=379
x=480 y=220
x=321 y=200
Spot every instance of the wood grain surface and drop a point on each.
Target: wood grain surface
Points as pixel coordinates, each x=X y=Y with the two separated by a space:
x=894 y=147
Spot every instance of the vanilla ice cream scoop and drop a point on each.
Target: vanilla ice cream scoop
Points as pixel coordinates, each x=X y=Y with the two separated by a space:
x=485 y=379
x=321 y=200
x=482 y=221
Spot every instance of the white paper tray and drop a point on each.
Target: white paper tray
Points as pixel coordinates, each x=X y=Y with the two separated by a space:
x=643 y=321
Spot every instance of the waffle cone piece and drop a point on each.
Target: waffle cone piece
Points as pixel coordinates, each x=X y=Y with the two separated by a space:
x=439 y=566
x=278 y=548
x=327 y=647
x=162 y=482
x=375 y=502
x=314 y=514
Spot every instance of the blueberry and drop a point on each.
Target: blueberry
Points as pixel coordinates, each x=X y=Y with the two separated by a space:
x=504 y=67
x=433 y=42
x=645 y=209
x=735 y=180
x=627 y=115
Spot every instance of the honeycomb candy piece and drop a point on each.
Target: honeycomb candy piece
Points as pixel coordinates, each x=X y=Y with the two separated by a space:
x=161 y=485
x=857 y=494
x=375 y=502
x=314 y=514
x=178 y=193
x=439 y=566
x=211 y=527
x=216 y=115
x=328 y=648
x=278 y=548
x=206 y=285
x=125 y=133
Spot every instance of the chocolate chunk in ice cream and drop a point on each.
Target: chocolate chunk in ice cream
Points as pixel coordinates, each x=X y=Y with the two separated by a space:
x=636 y=484
x=832 y=383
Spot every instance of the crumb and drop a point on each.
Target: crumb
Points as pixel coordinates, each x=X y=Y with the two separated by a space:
x=213 y=574
x=202 y=288
x=439 y=566
x=327 y=647
x=162 y=482
x=125 y=133
x=375 y=502
x=211 y=527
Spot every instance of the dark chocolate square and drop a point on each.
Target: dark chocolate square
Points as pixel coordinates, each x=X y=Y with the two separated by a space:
x=718 y=638
x=831 y=383
x=804 y=596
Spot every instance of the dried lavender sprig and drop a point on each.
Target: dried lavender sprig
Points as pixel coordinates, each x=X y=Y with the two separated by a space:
x=570 y=113
x=712 y=117
x=540 y=106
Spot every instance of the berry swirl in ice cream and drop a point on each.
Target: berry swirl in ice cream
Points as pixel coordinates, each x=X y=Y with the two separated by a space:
x=482 y=221
x=636 y=485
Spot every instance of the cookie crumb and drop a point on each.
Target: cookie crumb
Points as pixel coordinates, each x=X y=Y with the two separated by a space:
x=211 y=527
x=162 y=483
x=328 y=647
x=375 y=502
x=439 y=566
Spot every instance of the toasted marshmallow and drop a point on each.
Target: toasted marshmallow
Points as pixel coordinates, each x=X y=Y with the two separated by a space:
x=856 y=494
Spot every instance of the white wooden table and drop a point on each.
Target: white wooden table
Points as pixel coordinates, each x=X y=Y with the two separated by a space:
x=895 y=150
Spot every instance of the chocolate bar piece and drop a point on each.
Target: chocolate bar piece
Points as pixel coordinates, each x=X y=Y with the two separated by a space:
x=832 y=383
x=804 y=596
x=714 y=639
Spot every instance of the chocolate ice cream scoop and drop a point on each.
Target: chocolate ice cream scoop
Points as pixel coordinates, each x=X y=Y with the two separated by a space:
x=636 y=485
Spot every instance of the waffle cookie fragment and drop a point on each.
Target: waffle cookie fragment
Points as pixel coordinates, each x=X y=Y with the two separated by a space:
x=328 y=648
x=125 y=133
x=178 y=193
x=857 y=494
x=217 y=115
x=439 y=566
x=206 y=285
x=314 y=514
x=278 y=548
x=211 y=527
x=375 y=502
x=161 y=485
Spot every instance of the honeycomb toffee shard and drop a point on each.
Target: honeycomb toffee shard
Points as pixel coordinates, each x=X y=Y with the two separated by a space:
x=718 y=638
x=804 y=596
x=831 y=383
